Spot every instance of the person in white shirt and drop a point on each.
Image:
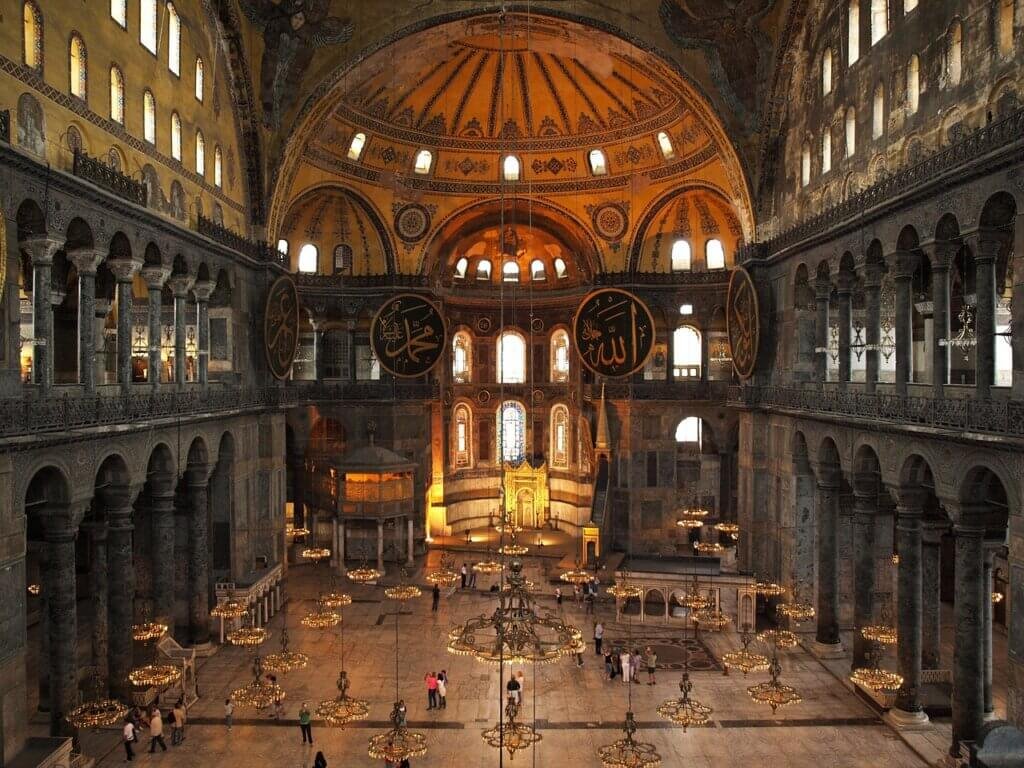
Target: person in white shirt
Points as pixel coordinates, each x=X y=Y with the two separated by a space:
x=156 y=732
x=625 y=659
x=598 y=635
x=442 y=691
x=128 y=736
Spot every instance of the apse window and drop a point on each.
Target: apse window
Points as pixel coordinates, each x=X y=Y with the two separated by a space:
x=686 y=309
x=119 y=12
x=879 y=19
x=681 y=256
x=78 y=66
x=714 y=254
x=308 y=258
x=510 y=272
x=511 y=358
x=826 y=72
x=689 y=431
x=686 y=353
x=559 y=356
x=116 y=95
x=173 y=40
x=852 y=32
x=537 y=271
x=461 y=358
x=176 y=136
x=598 y=163
x=826 y=150
x=665 y=144
x=460 y=267
x=483 y=270
x=355 y=147
x=200 y=154
x=560 y=268
x=32 y=36
x=954 y=54
x=1006 y=27
x=147 y=25
x=282 y=246
x=805 y=165
x=149 y=117
x=424 y=160
x=851 y=131
x=512 y=432
x=878 y=112
x=510 y=168
x=218 y=167
x=913 y=84
x=200 y=77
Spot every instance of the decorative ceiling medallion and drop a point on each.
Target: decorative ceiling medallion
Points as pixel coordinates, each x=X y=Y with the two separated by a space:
x=743 y=322
x=610 y=221
x=483 y=397
x=408 y=335
x=412 y=221
x=281 y=326
x=537 y=324
x=613 y=331
x=483 y=324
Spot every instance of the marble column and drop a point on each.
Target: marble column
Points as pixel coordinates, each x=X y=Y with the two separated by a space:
x=124 y=272
x=99 y=600
x=986 y=245
x=59 y=584
x=865 y=508
x=986 y=627
x=940 y=254
x=408 y=541
x=380 y=546
x=121 y=578
x=203 y=289
x=931 y=601
x=161 y=501
x=86 y=261
x=902 y=275
x=822 y=291
x=198 y=557
x=828 y=558
x=179 y=287
x=968 y=648
x=872 y=325
x=41 y=251
x=843 y=293
x=909 y=511
x=100 y=339
x=1017 y=311
x=155 y=278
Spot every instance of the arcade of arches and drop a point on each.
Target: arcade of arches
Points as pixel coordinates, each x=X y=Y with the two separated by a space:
x=820 y=205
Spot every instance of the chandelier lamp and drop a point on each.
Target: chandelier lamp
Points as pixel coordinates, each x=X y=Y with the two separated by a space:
x=627 y=752
x=98 y=711
x=445 y=575
x=577 y=575
x=773 y=692
x=154 y=675
x=708 y=548
x=796 y=612
x=364 y=574
x=779 y=638
x=745 y=660
x=285 y=661
x=684 y=710
x=343 y=709
x=402 y=591
x=260 y=693
x=510 y=734
x=768 y=588
x=321 y=617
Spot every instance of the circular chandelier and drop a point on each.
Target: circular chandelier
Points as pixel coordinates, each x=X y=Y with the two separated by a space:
x=35 y=590
x=623 y=590
x=260 y=693
x=285 y=661
x=321 y=618
x=488 y=566
x=627 y=752
x=730 y=529
x=575 y=575
x=880 y=633
x=510 y=734
x=507 y=527
x=316 y=554
x=513 y=549
x=445 y=575
x=334 y=599
x=689 y=522
x=148 y=631
x=398 y=743
x=247 y=637
x=154 y=675
x=796 y=612
x=343 y=709
x=710 y=619
x=997 y=597
x=708 y=547
x=514 y=633
x=229 y=609
x=364 y=574
x=774 y=693
x=744 y=659
x=99 y=712
x=876 y=679
x=685 y=711
x=692 y=598
x=291 y=532
x=768 y=589
x=780 y=638
x=403 y=591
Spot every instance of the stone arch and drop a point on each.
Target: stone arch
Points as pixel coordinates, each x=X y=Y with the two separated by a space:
x=30 y=220
x=655 y=603
x=79 y=234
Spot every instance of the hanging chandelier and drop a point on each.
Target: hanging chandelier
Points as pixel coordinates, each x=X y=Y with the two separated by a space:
x=342 y=709
x=364 y=574
x=623 y=590
x=514 y=633
x=229 y=609
x=248 y=636
x=730 y=529
x=285 y=661
x=685 y=711
x=98 y=712
x=576 y=575
x=774 y=693
x=402 y=591
x=260 y=693
x=154 y=675
x=745 y=660
x=780 y=638
x=334 y=600
x=627 y=752
x=398 y=743
x=692 y=597
x=445 y=575
x=965 y=339
x=291 y=532
x=880 y=633
x=796 y=611
x=513 y=549
x=710 y=619
x=708 y=548
x=874 y=677
x=997 y=597
x=768 y=589
x=316 y=554
x=321 y=618
x=510 y=734
x=690 y=523
x=148 y=631
x=488 y=566
x=35 y=590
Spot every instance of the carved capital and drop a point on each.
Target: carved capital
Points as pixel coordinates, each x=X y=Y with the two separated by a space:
x=941 y=253
x=910 y=500
x=987 y=243
x=102 y=307
x=86 y=260
x=203 y=289
x=180 y=285
x=42 y=249
x=155 y=277
x=124 y=269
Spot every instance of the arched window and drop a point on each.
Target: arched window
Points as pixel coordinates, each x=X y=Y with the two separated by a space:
x=559 y=356
x=200 y=154
x=826 y=149
x=218 y=162
x=32 y=36
x=560 y=269
x=826 y=72
x=119 y=11
x=282 y=246
x=598 y=163
x=908 y=6
x=1005 y=24
x=147 y=24
x=537 y=270
x=355 y=147
x=173 y=40
x=483 y=270
x=954 y=54
x=512 y=432
x=913 y=84
x=79 y=66
x=689 y=431
x=560 y=437
x=511 y=358
x=461 y=266
x=686 y=352
x=681 y=261
x=462 y=439
x=665 y=144
x=852 y=32
x=510 y=272
x=714 y=254
x=309 y=259
x=879 y=19
x=462 y=358
x=878 y=112
x=424 y=159
x=805 y=165
x=116 y=95
x=175 y=136
x=148 y=116
x=510 y=168
x=851 y=131
x=200 y=79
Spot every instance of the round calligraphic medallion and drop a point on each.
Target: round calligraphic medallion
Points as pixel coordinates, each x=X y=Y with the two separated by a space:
x=614 y=332
x=743 y=322
x=610 y=221
x=408 y=335
x=412 y=222
x=281 y=326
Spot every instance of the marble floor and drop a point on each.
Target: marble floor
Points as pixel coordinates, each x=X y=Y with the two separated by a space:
x=576 y=710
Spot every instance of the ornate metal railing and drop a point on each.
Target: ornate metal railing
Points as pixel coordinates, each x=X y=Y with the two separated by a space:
x=324 y=282
x=102 y=175
x=972 y=147
x=254 y=249
x=1003 y=417
x=661 y=390
x=707 y=277
x=5 y=125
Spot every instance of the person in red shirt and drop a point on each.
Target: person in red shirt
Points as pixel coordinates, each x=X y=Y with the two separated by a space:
x=431 y=681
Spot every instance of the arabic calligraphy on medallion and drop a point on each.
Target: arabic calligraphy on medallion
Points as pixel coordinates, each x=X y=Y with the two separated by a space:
x=614 y=332
x=408 y=335
x=281 y=326
x=743 y=322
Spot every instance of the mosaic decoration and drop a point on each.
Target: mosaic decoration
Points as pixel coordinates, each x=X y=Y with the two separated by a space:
x=412 y=221
x=743 y=322
x=610 y=220
x=281 y=326
x=408 y=335
x=614 y=332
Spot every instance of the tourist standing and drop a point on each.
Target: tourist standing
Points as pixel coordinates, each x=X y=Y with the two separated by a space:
x=128 y=736
x=403 y=717
x=442 y=691
x=558 y=597
x=156 y=731
x=435 y=598
x=598 y=637
x=306 y=723
x=463 y=572
x=634 y=664
x=229 y=712
x=625 y=660
x=513 y=689
x=651 y=659
x=178 y=730
x=431 y=680
x=609 y=667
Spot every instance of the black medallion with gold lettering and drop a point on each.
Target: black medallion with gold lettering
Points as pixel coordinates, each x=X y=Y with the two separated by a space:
x=281 y=326
x=614 y=332
x=408 y=335
x=743 y=322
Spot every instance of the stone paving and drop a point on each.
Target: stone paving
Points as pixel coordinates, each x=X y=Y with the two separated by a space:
x=576 y=710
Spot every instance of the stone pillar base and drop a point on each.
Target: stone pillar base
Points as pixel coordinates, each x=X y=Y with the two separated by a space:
x=906 y=721
x=827 y=650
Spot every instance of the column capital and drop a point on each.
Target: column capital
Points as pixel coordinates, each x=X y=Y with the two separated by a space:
x=932 y=530
x=873 y=272
x=155 y=276
x=829 y=478
x=124 y=269
x=910 y=500
x=901 y=265
x=180 y=285
x=41 y=249
x=86 y=260
x=203 y=289
x=941 y=253
x=102 y=307
x=845 y=282
x=986 y=242
x=822 y=288
x=197 y=475
x=969 y=530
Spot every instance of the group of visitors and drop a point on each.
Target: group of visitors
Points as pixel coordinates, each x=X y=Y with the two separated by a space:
x=437 y=689
x=515 y=688
x=468 y=577
x=620 y=662
x=154 y=721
